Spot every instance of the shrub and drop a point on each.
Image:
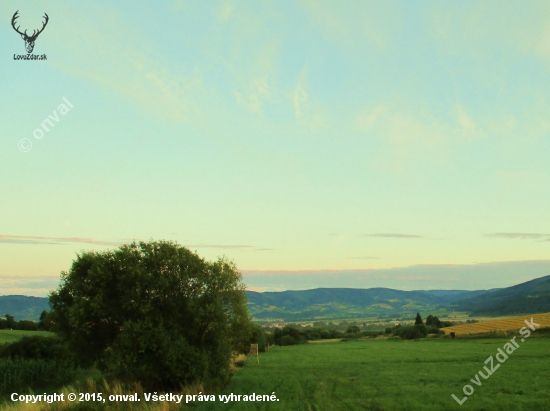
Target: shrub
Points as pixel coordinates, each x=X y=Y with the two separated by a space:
x=433 y=321
x=37 y=348
x=371 y=333
x=422 y=329
x=270 y=338
x=258 y=337
x=434 y=330
x=239 y=360
x=292 y=331
x=288 y=340
x=411 y=332
x=26 y=325
x=325 y=334
x=336 y=334
x=313 y=336
x=352 y=329
x=542 y=332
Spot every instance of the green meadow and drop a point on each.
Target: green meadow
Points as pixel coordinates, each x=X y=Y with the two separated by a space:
x=393 y=375
x=368 y=374
x=9 y=336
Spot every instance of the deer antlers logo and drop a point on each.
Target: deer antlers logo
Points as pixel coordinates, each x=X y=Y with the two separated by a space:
x=29 y=40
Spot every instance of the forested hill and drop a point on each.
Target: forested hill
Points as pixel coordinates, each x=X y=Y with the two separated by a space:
x=23 y=307
x=348 y=302
x=450 y=296
x=526 y=298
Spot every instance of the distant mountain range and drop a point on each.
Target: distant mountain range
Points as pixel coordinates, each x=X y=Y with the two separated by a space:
x=527 y=298
x=23 y=307
x=325 y=303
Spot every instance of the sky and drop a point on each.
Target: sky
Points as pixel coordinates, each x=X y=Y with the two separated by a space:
x=314 y=143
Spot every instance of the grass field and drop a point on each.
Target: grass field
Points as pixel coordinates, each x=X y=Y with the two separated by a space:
x=389 y=375
x=8 y=336
x=393 y=375
x=499 y=324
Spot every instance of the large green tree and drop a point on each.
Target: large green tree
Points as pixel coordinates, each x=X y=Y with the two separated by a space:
x=154 y=312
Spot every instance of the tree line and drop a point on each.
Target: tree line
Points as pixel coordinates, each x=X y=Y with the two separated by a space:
x=291 y=334
x=10 y=323
x=420 y=329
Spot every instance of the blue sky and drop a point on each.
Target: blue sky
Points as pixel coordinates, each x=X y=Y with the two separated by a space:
x=305 y=140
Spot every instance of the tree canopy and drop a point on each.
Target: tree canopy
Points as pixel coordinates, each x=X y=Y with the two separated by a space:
x=155 y=312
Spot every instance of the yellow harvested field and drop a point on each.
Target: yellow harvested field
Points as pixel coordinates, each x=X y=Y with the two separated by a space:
x=500 y=324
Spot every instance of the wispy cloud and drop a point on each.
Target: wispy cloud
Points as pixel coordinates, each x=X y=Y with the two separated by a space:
x=23 y=239
x=393 y=235
x=353 y=25
x=411 y=132
x=219 y=246
x=26 y=239
x=165 y=88
x=28 y=285
x=522 y=236
x=252 y=98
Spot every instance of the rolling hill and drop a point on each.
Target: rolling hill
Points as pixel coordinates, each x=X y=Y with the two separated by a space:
x=348 y=302
x=23 y=307
x=325 y=303
x=451 y=296
x=529 y=297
